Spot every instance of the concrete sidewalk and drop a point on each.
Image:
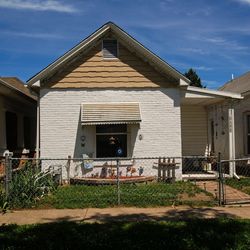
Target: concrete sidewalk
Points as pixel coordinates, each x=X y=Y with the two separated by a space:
x=121 y=214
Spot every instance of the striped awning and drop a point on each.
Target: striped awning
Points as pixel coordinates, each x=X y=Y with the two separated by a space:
x=110 y=113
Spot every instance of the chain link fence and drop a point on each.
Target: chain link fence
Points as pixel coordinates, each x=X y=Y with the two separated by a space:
x=235 y=181
x=2 y=182
x=90 y=182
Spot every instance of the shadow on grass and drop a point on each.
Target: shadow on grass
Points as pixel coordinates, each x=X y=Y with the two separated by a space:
x=189 y=234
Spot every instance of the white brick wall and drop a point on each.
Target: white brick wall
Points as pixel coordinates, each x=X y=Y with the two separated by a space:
x=61 y=129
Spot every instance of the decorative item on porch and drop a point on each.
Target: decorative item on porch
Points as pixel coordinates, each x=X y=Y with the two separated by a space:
x=108 y=173
x=104 y=172
x=140 y=170
x=87 y=164
x=130 y=170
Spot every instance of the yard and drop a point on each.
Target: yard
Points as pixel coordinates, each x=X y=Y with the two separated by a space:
x=141 y=195
x=30 y=188
x=190 y=234
x=243 y=184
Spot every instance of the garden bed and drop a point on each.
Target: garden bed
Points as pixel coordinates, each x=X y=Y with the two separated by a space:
x=112 y=180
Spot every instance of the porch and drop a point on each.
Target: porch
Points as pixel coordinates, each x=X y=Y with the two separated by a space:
x=207 y=127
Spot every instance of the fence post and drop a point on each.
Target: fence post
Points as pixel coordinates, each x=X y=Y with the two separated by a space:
x=159 y=169
x=221 y=188
x=8 y=173
x=68 y=169
x=118 y=182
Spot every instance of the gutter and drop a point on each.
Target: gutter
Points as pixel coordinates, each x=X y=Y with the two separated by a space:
x=215 y=92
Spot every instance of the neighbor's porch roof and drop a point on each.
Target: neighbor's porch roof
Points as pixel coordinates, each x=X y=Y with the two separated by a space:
x=201 y=96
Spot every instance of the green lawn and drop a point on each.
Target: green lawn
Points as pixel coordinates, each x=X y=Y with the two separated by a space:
x=243 y=184
x=142 y=195
x=190 y=234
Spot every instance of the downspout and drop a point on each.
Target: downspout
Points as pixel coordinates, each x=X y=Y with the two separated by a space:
x=231 y=128
x=38 y=128
x=236 y=176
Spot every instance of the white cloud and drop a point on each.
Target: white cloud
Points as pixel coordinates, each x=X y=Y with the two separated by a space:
x=195 y=50
x=33 y=35
x=203 y=68
x=186 y=66
x=244 y=1
x=38 y=5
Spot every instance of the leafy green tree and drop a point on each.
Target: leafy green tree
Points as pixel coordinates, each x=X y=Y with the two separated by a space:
x=194 y=78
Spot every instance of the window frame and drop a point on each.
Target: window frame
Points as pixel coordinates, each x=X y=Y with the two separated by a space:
x=117 y=49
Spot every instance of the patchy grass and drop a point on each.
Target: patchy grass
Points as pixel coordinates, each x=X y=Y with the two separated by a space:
x=142 y=195
x=190 y=234
x=243 y=184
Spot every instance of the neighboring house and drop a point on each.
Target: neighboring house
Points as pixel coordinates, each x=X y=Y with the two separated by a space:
x=17 y=117
x=240 y=85
x=110 y=90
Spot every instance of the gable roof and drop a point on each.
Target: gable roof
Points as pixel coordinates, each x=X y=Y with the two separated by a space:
x=239 y=85
x=159 y=64
x=17 y=85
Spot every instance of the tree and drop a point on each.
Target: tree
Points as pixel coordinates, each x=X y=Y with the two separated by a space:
x=194 y=78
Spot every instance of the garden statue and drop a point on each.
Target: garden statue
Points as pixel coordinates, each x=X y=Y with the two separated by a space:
x=104 y=172
x=140 y=170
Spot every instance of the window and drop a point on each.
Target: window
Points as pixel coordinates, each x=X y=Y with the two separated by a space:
x=109 y=49
x=111 y=141
x=247 y=133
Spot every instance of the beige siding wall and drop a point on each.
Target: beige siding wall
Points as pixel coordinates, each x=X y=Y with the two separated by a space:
x=194 y=130
x=92 y=71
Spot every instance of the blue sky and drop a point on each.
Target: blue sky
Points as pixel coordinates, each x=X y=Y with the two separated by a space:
x=208 y=35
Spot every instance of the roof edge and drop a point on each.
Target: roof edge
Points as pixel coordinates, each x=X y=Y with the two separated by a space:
x=17 y=90
x=213 y=92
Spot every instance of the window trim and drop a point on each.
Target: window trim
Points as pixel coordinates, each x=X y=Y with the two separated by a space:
x=117 y=49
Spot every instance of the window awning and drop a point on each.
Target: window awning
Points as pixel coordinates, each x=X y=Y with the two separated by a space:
x=110 y=113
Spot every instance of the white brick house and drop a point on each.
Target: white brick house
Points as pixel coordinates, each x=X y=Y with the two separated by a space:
x=146 y=107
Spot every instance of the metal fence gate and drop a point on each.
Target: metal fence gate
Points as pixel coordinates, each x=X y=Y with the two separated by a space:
x=234 y=181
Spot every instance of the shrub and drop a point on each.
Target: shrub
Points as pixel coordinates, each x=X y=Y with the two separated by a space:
x=28 y=186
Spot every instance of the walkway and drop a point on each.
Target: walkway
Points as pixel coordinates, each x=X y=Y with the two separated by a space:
x=231 y=194
x=121 y=214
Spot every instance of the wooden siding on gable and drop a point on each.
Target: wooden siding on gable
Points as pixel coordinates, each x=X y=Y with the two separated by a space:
x=93 y=71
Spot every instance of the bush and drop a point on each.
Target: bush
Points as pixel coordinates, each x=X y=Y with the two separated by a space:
x=28 y=186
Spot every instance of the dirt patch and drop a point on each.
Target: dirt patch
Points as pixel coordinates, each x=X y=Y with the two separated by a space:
x=196 y=197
